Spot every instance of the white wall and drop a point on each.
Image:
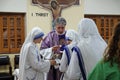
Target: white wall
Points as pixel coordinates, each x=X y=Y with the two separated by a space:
x=106 y=7
x=13 y=6
x=72 y=15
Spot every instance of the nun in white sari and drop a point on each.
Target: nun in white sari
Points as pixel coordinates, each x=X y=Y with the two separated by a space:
x=72 y=40
x=91 y=46
x=32 y=66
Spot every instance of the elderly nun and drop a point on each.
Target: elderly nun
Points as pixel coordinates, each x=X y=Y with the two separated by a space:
x=72 y=40
x=88 y=51
x=32 y=66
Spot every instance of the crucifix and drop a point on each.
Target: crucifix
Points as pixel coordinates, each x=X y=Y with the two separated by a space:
x=55 y=8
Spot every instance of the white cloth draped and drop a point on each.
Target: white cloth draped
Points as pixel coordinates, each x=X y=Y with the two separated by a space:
x=47 y=53
x=16 y=74
x=91 y=45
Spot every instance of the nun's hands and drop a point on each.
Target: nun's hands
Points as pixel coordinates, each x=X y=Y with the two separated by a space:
x=55 y=48
x=52 y=62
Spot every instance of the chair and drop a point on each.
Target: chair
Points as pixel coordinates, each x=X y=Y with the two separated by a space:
x=5 y=63
x=16 y=61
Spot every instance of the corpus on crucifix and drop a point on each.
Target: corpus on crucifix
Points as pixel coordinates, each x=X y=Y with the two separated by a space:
x=55 y=8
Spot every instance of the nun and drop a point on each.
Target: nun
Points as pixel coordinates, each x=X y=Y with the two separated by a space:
x=31 y=65
x=88 y=52
x=72 y=40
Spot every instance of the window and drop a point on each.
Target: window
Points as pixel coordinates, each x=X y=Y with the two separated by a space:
x=11 y=32
x=105 y=24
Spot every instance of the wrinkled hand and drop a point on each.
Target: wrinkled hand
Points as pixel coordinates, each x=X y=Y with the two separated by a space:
x=52 y=62
x=55 y=48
